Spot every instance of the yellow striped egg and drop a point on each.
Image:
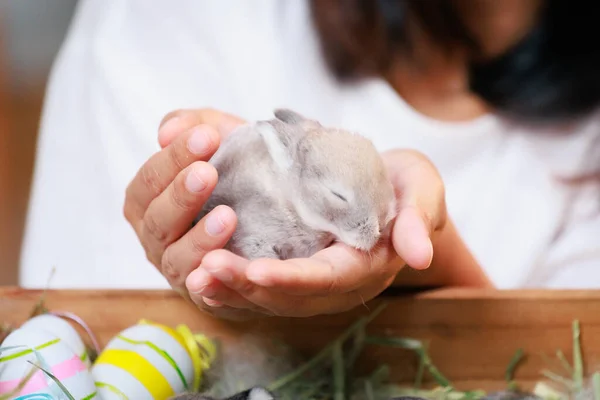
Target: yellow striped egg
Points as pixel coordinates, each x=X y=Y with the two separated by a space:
x=149 y=361
x=62 y=329
x=57 y=359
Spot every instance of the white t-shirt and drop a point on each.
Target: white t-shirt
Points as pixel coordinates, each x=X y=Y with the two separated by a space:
x=125 y=64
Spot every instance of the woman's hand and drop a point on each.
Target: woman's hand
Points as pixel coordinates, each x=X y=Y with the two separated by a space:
x=170 y=189
x=338 y=278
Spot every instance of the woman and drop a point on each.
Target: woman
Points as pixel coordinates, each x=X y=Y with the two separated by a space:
x=485 y=114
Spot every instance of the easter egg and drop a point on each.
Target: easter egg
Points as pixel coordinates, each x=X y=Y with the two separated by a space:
x=147 y=361
x=61 y=329
x=56 y=358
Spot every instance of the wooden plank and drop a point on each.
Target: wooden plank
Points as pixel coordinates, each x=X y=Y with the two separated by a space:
x=472 y=334
x=7 y=264
x=23 y=109
x=20 y=107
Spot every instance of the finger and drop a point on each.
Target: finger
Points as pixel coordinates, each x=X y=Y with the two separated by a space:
x=218 y=310
x=314 y=306
x=412 y=239
x=171 y=213
x=228 y=313
x=198 y=143
x=334 y=270
x=230 y=270
x=176 y=122
x=308 y=306
x=204 y=287
x=186 y=254
x=421 y=205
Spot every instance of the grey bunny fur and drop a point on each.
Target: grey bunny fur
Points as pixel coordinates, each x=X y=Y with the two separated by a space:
x=297 y=186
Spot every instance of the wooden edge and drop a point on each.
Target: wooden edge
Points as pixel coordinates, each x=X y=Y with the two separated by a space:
x=453 y=322
x=416 y=293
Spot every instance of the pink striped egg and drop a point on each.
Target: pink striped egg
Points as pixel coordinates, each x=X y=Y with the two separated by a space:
x=62 y=329
x=62 y=362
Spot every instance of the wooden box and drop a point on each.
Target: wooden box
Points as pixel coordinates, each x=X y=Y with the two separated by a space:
x=472 y=334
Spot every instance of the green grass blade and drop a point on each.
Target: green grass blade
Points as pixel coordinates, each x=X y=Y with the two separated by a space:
x=417 y=347
x=512 y=366
x=563 y=360
x=577 y=358
x=339 y=389
x=324 y=353
x=58 y=383
x=596 y=385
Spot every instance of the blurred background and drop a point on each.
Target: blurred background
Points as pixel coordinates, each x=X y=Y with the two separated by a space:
x=31 y=33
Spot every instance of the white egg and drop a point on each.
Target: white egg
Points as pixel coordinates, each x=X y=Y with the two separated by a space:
x=145 y=361
x=62 y=329
x=63 y=363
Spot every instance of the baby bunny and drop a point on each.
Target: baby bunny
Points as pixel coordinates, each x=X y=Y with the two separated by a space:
x=297 y=186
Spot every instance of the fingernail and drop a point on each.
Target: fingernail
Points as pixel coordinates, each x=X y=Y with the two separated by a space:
x=170 y=128
x=425 y=233
x=199 y=141
x=430 y=258
x=194 y=182
x=422 y=234
x=199 y=283
x=212 y=303
x=214 y=224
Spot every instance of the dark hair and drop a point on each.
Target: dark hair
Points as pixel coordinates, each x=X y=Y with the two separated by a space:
x=551 y=74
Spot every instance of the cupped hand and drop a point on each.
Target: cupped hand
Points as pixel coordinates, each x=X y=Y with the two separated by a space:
x=170 y=189
x=338 y=278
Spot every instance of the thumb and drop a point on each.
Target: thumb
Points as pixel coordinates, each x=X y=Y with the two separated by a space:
x=411 y=239
x=421 y=205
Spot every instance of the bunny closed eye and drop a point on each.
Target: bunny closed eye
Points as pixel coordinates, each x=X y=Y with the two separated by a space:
x=339 y=196
x=340 y=193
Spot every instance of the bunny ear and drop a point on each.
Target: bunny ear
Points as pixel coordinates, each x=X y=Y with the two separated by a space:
x=293 y=118
x=281 y=141
x=288 y=116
